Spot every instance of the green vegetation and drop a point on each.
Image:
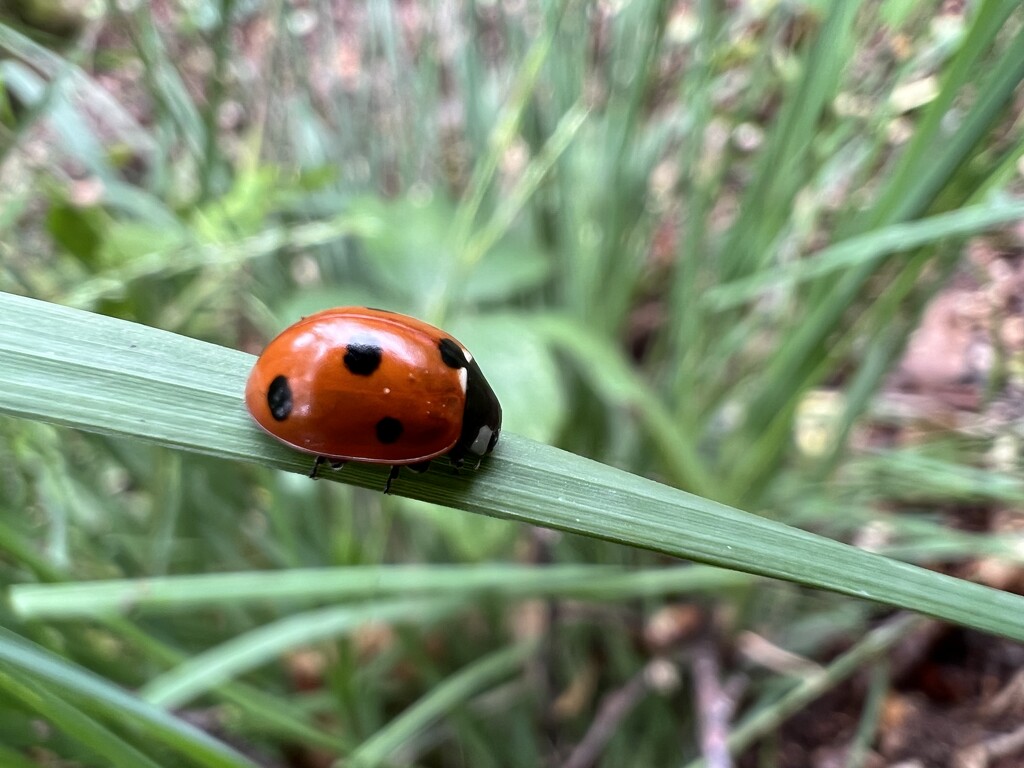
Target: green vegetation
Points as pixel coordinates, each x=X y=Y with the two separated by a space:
x=667 y=232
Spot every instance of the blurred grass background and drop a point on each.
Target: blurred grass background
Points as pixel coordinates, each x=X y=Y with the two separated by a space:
x=692 y=240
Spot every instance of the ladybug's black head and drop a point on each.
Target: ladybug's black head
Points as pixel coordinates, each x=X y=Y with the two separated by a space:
x=481 y=420
x=481 y=417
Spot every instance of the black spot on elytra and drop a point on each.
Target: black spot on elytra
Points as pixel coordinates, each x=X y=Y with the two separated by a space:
x=362 y=359
x=279 y=398
x=452 y=354
x=389 y=429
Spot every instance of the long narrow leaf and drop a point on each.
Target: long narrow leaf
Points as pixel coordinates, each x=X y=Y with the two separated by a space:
x=97 y=598
x=868 y=247
x=105 y=375
x=207 y=670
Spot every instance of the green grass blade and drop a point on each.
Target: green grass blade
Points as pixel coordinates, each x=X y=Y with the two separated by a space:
x=768 y=200
x=164 y=81
x=213 y=163
x=155 y=723
x=444 y=697
x=527 y=185
x=262 y=708
x=105 y=375
x=907 y=190
x=209 y=669
x=994 y=96
x=73 y=722
x=869 y=247
x=506 y=127
x=98 y=598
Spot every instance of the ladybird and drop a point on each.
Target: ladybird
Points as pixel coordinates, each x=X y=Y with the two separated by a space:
x=368 y=385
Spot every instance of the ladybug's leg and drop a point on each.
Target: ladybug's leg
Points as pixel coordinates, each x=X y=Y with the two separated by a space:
x=316 y=466
x=422 y=466
x=320 y=460
x=391 y=476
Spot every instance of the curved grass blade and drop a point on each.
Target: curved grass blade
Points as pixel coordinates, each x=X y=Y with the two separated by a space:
x=105 y=375
x=209 y=669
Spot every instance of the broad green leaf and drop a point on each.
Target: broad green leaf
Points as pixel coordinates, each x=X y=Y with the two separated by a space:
x=520 y=367
x=78 y=230
x=410 y=252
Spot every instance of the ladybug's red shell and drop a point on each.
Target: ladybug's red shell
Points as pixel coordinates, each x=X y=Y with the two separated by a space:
x=367 y=385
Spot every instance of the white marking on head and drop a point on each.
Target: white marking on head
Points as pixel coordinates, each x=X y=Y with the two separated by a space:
x=463 y=379
x=469 y=357
x=481 y=441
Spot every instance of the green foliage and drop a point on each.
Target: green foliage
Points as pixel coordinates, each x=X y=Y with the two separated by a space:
x=661 y=228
